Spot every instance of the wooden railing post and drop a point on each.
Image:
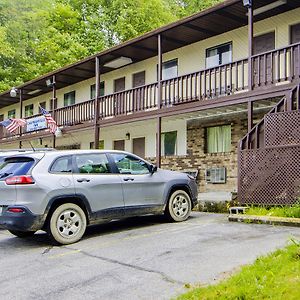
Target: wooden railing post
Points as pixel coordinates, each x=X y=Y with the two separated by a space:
x=250 y=48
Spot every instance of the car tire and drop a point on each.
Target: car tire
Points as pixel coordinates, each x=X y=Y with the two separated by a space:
x=22 y=234
x=67 y=224
x=179 y=206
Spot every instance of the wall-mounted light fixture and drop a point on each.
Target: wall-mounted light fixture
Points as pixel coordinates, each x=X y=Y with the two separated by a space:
x=127 y=135
x=58 y=132
x=49 y=83
x=247 y=3
x=13 y=92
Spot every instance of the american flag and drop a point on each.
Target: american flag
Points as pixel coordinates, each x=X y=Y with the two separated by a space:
x=12 y=124
x=50 y=121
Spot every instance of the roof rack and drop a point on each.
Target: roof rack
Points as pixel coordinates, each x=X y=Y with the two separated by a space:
x=26 y=150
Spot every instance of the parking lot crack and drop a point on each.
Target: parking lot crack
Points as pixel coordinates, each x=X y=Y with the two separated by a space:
x=164 y=276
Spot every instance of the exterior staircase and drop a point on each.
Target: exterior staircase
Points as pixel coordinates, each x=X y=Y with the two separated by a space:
x=269 y=156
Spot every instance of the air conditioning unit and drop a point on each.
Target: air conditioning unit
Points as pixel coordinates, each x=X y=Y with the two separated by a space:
x=215 y=175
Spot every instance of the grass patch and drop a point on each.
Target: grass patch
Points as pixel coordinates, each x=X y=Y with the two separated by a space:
x=276 y=211
x=275 y=276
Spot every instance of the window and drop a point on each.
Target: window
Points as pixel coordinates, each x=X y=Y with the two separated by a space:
x=170 y=69
x=101 y=145
x=29 y=110
x=169 y=143
x=218 y=139
x=43 y=104
x=69 y=98
x=93 y=90
x=92 y=163
x=62 y=165
x=11 y=114
x=219 y=55
x=127 y=164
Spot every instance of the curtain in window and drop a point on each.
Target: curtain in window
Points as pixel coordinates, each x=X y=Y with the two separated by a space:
x=168 y=143
x=219 y=139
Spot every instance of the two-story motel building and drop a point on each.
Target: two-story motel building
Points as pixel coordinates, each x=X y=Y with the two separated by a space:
x=182 y=95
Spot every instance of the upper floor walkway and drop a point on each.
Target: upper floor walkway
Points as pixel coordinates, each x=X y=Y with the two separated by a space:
x=272 y=72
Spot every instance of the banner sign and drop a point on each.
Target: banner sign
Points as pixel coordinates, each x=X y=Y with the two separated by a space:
x=36 y=123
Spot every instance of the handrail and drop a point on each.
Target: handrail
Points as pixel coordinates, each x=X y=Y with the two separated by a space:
x=285 y=102
x=275 y=50
x=268 y=68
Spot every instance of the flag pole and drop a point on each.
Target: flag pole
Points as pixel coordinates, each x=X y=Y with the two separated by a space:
x=21 y=115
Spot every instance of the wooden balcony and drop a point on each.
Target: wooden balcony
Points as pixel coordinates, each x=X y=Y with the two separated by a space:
x=269 y=70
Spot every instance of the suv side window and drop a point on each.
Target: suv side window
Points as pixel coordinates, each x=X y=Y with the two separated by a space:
x=92 y=163
x=128 y=164
x=62 y=165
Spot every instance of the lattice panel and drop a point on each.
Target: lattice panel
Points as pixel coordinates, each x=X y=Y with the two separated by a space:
x=269 y=176
x=282 y=129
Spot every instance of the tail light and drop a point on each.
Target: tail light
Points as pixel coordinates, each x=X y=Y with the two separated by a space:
x=24 y=179
x=16 y=210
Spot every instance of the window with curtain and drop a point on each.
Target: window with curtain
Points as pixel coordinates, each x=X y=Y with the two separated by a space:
x=93 y=90
x=218 y=139
x=11 y=114
x=169 y=143
x=28 y=110
x=69 y=98
x=218 y=55
x=101 y=145
x=169 y=69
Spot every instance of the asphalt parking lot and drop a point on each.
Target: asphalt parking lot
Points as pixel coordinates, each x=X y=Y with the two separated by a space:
x=139 y=258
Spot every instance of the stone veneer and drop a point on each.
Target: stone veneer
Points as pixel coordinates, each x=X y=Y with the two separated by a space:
x=198 y=159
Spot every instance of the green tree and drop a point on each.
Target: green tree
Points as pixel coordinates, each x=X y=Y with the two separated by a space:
x=39 y=36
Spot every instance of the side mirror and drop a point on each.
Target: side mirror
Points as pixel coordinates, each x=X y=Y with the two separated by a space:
x=152 y=169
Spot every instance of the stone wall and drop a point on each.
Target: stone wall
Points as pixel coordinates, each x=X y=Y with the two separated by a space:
x=198 y=159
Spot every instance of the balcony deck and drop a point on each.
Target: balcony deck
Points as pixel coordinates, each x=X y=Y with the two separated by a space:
x=270 y=71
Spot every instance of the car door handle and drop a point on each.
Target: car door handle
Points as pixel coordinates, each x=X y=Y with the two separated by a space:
x=128 y=179
x=83 y=179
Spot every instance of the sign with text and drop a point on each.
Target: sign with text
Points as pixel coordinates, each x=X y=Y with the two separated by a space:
x=36 y=123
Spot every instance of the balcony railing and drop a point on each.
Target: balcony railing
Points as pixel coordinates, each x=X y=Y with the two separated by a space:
x=269 y=68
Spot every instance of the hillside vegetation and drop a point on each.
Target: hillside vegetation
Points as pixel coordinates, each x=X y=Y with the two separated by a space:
x=39 y=36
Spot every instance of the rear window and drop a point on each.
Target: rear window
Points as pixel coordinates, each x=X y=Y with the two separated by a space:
x=15 y=167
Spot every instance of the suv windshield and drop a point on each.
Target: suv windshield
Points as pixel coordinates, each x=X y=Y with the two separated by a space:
x=15 y=166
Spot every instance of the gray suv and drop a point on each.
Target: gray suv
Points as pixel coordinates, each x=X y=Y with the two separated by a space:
x=62 y=192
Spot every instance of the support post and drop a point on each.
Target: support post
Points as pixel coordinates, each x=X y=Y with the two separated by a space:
x=250 y=115
x=159 y=100
x=54 y=141
x=21 y=114
x=53 y=101
x=96 y=113
x=158 y=142
x=250 y=47
x=159 y=72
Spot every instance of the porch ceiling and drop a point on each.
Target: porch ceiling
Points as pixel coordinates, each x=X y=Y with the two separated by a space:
x=261 y=106
x=221 y=18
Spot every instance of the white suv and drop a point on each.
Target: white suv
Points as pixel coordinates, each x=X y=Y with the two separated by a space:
x=62 y=192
